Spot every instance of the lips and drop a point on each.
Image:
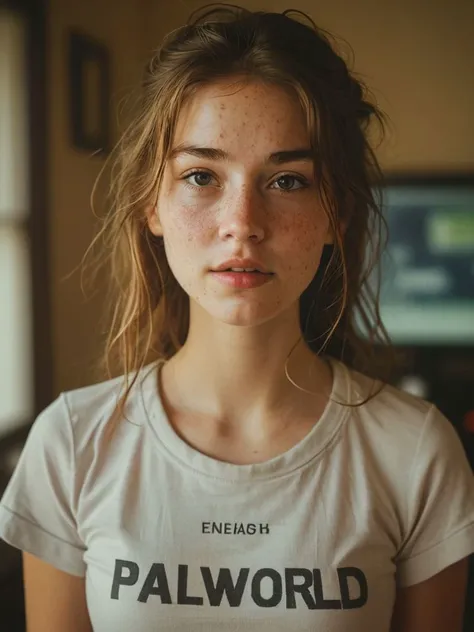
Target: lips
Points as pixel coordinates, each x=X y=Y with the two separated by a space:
x=242 y=265
x=242 y=280
x=246 y=270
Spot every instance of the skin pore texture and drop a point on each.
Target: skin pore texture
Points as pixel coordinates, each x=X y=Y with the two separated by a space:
x=225 y=391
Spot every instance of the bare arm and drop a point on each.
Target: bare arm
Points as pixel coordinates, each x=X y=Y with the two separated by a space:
x=436 y=605
x=54 y=601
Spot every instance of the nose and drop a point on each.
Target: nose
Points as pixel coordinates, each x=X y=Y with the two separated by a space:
x=242 y=217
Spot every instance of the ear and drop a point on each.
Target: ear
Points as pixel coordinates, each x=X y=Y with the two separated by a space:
x=153 y=221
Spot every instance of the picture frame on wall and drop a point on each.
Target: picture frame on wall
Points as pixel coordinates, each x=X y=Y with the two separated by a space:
x=89 y=92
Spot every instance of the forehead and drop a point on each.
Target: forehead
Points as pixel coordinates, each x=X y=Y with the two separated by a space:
x=242 y=113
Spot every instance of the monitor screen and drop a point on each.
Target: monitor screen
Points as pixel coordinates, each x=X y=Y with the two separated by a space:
x=427 y=271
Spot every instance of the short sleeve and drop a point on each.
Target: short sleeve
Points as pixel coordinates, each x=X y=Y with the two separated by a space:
x=440 y=504
x=37 y=507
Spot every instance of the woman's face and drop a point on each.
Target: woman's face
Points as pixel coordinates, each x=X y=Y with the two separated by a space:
x=236 y=188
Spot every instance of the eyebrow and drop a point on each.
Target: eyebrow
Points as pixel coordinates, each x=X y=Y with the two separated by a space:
x=212 y=153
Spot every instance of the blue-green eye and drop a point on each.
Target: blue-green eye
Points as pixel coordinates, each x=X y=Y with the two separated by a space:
x=286 y=183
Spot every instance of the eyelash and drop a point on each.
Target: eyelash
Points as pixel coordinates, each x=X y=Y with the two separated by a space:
x=302 y=181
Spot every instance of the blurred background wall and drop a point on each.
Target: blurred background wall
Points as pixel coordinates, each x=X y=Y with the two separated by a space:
x=121 y=25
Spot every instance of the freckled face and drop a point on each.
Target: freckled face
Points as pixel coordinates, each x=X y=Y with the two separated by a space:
x=240 y=203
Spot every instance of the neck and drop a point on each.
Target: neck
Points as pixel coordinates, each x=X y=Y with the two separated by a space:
x=238 y=373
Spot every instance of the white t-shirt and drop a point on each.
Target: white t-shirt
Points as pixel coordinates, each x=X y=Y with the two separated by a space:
x=169 y=539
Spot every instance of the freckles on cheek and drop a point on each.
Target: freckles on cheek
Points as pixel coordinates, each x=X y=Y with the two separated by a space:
x=303 y=236
x=190 y=223
x=310 y=245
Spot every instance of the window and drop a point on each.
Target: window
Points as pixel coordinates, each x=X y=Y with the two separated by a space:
x=16 y=345
x=25 y=332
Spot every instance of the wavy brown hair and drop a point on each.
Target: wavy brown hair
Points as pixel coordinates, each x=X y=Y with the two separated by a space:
x=150 y=311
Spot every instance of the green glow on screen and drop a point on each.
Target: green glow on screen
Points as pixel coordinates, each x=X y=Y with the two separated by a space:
x=451 y=230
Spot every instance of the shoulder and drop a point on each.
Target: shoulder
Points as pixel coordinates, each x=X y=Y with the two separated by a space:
x=79 y=412
x=384 y=408
x=416 y=456
x=398 y=430
x=385 y=397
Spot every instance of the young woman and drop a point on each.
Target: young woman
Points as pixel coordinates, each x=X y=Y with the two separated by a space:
x=243 y=472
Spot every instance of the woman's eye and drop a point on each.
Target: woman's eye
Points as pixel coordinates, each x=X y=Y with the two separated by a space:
x=287 y=183
x=201 y=178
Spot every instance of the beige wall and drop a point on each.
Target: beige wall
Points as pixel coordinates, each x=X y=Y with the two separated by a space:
x=120 y=24
x=416 y=56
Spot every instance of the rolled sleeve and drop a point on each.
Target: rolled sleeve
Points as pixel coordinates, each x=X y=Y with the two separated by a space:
x=37 y=510
x=440 y=504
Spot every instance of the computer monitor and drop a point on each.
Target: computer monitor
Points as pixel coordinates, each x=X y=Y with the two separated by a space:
x=427 y=271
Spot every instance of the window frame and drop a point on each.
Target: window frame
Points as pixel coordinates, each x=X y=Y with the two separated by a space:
x=37 y=223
